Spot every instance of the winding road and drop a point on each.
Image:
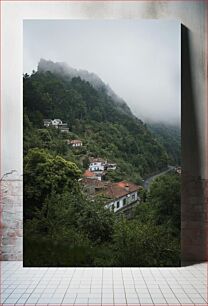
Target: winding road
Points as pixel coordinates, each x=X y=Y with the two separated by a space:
x=148 y=181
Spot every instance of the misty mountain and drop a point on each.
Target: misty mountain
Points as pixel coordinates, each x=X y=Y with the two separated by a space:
x=93 y=116
x=169 y=136
x=64 y=70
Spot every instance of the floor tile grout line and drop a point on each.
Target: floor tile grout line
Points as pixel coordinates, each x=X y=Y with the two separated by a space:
x=123 y=284
x=135 y=286
x=158 y=285
x=169 y=288
x=183 y=290
x=69 y=285
x=82 y=270
x=37 y=284
x=102 y=272
x=147 y=286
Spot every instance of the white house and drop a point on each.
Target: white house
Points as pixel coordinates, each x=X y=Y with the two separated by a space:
x=121 y=194
x=97 y=164
x=118 y=195
x=94 y=175
x=75 y=143
x=56 y=123
x=119 y=203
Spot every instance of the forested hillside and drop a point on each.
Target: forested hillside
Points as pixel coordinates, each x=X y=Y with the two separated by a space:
x=169 y=136
x=105 y=125
x=62 y=225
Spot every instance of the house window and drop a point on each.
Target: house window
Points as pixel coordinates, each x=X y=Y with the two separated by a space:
x=133 y=196
x=118 y=204
x=112 y=207
x=124 y=201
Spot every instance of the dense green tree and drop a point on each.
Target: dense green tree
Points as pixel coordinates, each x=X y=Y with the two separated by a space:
x=169 y=136
x=44 y=174
x=162 y=204
x=97 y=222
x=164 y=196
x=68 y=223
x=139 y=244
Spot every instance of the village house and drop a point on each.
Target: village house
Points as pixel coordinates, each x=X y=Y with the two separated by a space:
x=75 y=143
x=93 y=175
x=97 y=164
x=100 y=164
x=89 y=174
x=121 y=194
x=118 y=195
x=57 y=123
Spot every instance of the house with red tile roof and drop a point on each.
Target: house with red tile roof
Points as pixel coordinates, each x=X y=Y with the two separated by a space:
x=75 y=143
x=117 y=195
x=88 y=174
x=93 y=175
x=121 y=194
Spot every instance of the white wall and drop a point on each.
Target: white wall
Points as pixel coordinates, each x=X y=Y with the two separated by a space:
x=129 y=200
x=96 y=166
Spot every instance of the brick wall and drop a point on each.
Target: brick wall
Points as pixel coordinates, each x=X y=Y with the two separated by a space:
x=11 y=219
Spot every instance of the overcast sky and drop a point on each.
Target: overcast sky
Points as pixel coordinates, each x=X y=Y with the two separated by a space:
x=139 y=59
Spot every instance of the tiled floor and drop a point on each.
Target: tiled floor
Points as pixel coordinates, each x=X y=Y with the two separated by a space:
x=106 y=286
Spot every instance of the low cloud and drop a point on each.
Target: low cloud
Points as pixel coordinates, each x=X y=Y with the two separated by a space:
x=139 y=59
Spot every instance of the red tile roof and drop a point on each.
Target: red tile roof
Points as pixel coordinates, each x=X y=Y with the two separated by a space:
x=124 y=184
x=112 y=190
x=88 y=173
x=120 y=189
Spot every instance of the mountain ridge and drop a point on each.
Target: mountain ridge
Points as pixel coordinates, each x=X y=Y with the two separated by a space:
x=63 y=69
x=105 y=127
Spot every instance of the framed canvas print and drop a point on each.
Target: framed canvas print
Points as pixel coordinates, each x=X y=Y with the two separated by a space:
x=102 y=143
x=106 y=90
